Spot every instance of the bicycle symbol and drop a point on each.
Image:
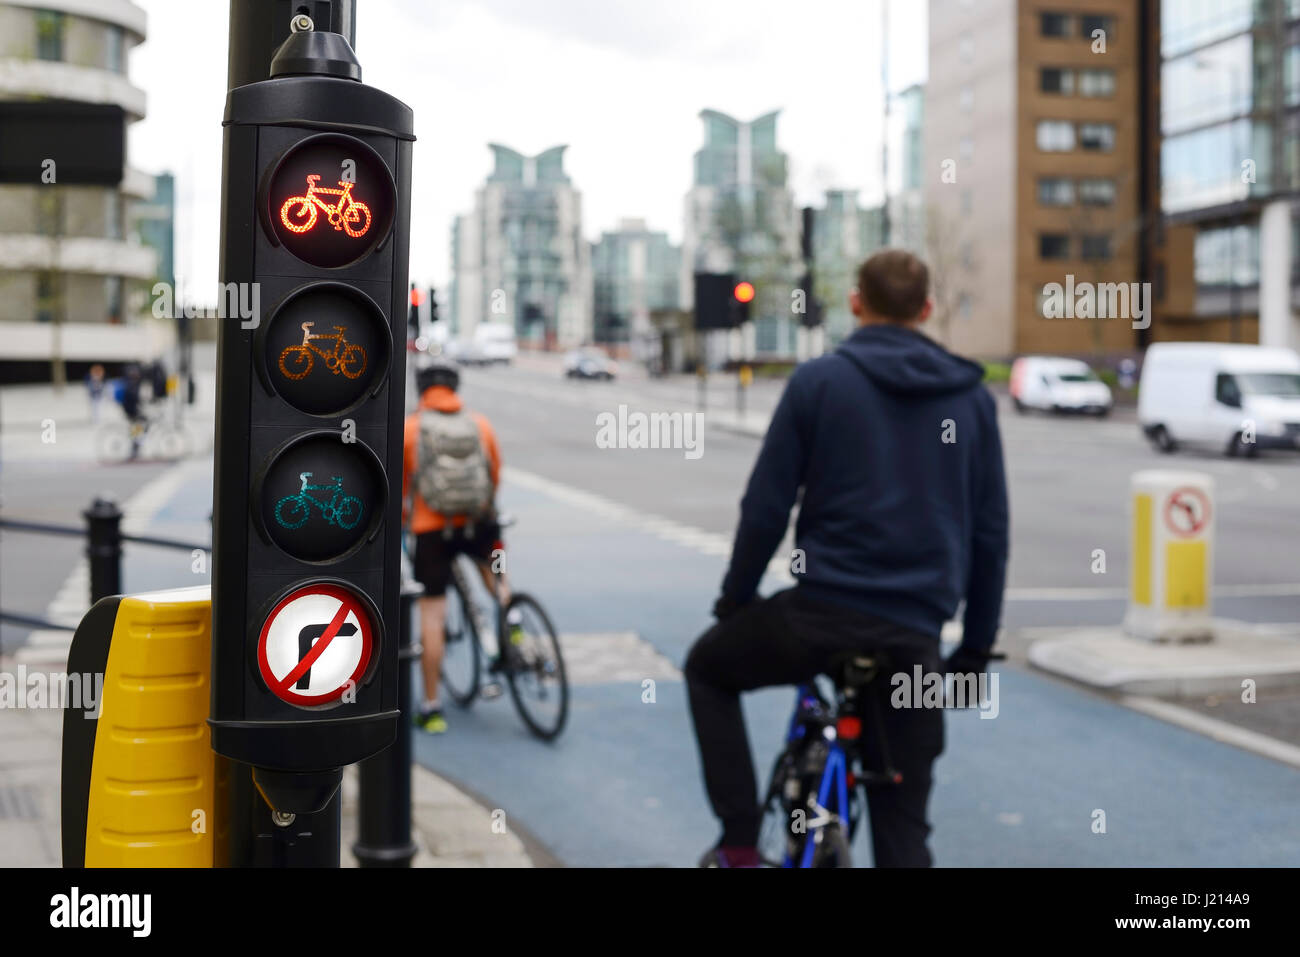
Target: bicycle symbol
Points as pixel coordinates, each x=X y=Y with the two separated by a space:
x=346 y=357
x=299 y=212
x=292 y=511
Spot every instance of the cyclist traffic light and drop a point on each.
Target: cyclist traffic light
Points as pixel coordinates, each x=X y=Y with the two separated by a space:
x=307 y=510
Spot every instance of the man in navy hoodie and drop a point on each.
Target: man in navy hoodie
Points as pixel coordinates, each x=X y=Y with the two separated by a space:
x=894 y=443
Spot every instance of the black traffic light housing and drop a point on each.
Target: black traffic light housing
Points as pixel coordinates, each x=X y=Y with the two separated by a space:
x=307 y=510
x=720 y=300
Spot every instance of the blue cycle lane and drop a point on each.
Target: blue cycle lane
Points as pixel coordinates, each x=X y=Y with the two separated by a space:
x=621 y=787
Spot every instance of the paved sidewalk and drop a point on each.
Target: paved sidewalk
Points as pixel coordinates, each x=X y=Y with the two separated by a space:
x=450 y=828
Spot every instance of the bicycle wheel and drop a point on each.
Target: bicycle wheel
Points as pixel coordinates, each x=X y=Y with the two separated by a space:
x=348 y=512
x=173 y=443
x=356 y=213
x=292 y=512
x=776 y=838
x=295 y=362
x=353 y=361
x=535 y=669
x=298 y=213
x=113 y=443
x=461 y=656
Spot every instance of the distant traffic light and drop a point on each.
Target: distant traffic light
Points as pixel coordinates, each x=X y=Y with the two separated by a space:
x=413 y=314
x=433 y=306
x=307 y=498
x=742 y=295
x=720 y=301
x=813 y=312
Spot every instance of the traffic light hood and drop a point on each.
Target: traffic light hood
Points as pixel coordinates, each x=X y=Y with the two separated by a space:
x=316 y=53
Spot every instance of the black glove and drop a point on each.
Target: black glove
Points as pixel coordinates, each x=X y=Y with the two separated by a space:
x=966 y=660
x=725 y=607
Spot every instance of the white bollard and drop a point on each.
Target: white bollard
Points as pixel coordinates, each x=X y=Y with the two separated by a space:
x=1172 y=556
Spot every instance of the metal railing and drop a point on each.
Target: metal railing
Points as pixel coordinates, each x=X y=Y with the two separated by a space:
x=104 y=540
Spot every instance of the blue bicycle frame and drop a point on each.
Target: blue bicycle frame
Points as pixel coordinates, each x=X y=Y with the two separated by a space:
x=835 y=776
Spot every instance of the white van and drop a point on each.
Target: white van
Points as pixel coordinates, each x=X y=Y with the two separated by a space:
x=1238 y=398
x=495 y=342
x=1058 y=385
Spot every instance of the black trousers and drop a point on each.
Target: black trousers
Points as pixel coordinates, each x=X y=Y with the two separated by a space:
x=788 y=639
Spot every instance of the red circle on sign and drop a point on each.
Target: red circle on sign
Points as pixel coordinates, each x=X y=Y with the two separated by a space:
x=1177 y=503
x=350 y=605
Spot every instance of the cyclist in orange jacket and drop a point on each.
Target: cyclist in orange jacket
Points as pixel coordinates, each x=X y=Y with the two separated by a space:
x=450 y=472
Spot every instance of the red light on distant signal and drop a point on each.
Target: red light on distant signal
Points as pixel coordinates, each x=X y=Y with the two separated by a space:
x=417 y=297
x=744 y=292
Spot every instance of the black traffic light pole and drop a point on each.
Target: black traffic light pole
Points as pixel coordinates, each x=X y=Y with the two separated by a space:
x=258 y=27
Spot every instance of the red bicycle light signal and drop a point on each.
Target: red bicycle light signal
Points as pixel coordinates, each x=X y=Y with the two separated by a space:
x=744 y=292
x=331 y=201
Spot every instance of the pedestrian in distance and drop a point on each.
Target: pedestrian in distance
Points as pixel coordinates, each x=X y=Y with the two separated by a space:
x=894 y=444
x=95 y=386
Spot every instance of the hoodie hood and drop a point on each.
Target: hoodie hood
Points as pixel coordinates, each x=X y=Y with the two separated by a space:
x=441 y=398
x=905 y=362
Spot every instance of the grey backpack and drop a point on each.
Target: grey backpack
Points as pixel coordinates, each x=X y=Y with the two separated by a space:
x=452 y=470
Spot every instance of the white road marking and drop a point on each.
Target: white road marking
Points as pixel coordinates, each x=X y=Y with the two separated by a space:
x=604 y=658
x=1232 y=734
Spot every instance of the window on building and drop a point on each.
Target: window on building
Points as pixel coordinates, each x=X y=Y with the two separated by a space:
x=49 y=212
x=1096 y=82
x=1090 y=23
x=967 y=202
x=1053 y=246
x=49 y=35
x=1095 y=246
x=966 y=97
x=1097 y=192
x=1055 y=80
x=1055 y=136
x=1055 y=191
x=115 y=54
x=1054 y=24
x=964 y=307
x=1097 y=136
x=966 y=47
x=46 y=293
x=1227 y=255
x=966 y=148
x=113 y=296
x=112 y=214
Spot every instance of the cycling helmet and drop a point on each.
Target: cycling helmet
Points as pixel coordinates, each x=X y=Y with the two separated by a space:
x=437 y=371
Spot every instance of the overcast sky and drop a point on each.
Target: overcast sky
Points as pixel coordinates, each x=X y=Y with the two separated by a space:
x=621 y=83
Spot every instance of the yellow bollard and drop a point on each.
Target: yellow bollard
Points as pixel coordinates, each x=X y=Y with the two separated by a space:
x=1172 y=557
x=137 y=783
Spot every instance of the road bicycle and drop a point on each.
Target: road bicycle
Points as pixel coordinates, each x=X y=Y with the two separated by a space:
x=527 y=654
x=154 y=436
x=348 y=358
x=299 y=213
x=292 y=511
x=816 y=793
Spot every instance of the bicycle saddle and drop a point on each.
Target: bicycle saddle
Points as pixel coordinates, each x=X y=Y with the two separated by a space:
x=855 y=669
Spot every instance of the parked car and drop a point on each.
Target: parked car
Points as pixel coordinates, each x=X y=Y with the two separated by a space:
x=495 y=342
x=1237 y=398
x=589 y=364
x=1058 y=385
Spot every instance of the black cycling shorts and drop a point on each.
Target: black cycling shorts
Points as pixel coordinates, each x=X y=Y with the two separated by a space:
x=434 y=552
